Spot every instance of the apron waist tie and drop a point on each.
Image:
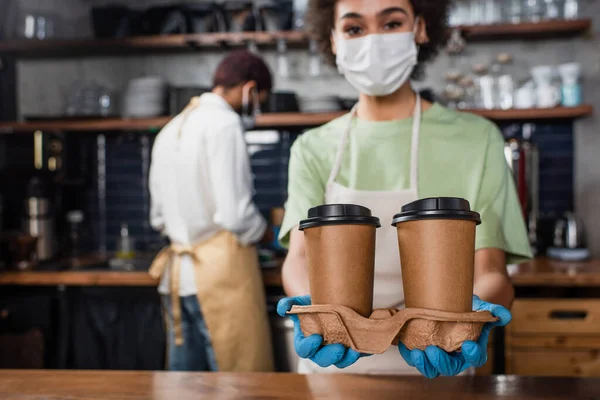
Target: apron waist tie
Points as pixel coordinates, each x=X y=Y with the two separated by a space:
x=158 y=268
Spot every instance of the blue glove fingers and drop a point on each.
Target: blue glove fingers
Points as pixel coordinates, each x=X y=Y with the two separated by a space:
x=286 y=304
x=502 y=313
x=349 y=358
x=306 y=347
x=474 y=354
x=446 y=364
x=496 y=310
x=422 y=364
x=406 y=354
x=485 y=334
x=329 y=355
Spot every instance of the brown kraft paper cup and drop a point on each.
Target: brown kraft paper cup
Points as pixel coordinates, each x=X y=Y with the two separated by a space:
x=340 y=251
x=436 y=239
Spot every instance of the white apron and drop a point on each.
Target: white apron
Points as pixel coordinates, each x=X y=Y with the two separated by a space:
x=388 y=290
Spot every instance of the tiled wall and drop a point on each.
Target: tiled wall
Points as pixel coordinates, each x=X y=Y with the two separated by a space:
x=127 y=197
x=128 y=200
x=555 y=143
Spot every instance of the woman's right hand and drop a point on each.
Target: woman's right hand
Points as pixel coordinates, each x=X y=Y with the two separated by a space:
x=312 y=347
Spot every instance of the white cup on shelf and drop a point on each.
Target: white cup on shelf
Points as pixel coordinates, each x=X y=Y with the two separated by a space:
x=547 y=96
x=525 y=96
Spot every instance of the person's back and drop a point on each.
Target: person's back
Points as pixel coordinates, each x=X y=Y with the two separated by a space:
x=201 y=188
x=190 y=168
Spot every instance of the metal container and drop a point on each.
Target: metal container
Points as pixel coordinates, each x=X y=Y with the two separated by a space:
x=42 y=227
x=38 y=220
x=282 y=333
x=523 y=159
x=569 y=232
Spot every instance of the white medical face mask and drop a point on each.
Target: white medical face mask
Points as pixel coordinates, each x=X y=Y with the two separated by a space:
x=378 y=64
x=248 y=116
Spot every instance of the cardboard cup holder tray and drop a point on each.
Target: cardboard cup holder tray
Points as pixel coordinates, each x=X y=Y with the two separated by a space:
x=416 y=328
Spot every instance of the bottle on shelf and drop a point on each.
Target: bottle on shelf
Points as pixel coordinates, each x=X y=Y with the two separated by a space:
x=571 y=10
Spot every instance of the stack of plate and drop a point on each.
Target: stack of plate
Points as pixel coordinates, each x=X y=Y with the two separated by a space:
x=145 y=97
x=319 y=104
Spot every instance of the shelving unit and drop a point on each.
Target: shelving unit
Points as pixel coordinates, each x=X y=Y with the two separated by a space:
x=37 y=49
x=279 y=120
x=145 y=44
x=195 y=42
x=526 y=30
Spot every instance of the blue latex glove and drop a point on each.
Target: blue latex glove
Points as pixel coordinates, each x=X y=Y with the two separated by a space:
x=434 y=361
x=312 y=347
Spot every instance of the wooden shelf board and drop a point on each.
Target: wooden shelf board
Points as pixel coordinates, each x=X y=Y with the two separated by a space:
x=28 y=48
x=536 y=113
x=290 y=120
x=145 y=44
x=275 y=120
x=526 y=30
x=96 y=125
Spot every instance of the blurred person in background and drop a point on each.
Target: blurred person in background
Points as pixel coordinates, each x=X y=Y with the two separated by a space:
x=395 y=148
x=202 y=191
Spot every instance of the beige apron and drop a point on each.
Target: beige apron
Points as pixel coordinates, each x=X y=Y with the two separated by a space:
x=388 y=290
x=231 y=295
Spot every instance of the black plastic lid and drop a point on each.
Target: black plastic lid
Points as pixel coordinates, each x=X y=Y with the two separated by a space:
x=437 y=208
x=339 y=214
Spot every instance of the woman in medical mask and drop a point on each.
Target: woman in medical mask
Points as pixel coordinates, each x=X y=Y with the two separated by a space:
x=392 y=149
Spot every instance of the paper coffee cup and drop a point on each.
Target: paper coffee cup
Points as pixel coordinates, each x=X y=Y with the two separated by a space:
x=436 y=238
x=340 y=252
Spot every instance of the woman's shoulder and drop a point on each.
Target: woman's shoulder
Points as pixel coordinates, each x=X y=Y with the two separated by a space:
x=465 y=124
x=320 y=138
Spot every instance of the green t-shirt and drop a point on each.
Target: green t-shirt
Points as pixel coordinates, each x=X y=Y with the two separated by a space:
x=460 y=155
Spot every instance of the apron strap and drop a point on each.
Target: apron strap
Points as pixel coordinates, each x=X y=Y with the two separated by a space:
x=337 y=164
x=174 y=253
x=158 y=268
x=194 y=103
x=414 y=152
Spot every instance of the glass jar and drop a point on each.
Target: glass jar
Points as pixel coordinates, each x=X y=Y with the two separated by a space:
x=491 y=11
x=512 y=11
x=533 y=10
x=300 y=7
x=571 y=9
x=476 y=12
x=554 y=9
x=461 y=13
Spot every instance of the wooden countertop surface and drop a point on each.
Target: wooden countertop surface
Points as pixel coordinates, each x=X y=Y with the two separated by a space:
x=22 y=385
x=547 y=272
x=271 y=277
x=540 y=272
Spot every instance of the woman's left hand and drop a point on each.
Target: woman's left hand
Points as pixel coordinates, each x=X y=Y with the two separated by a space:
x=312 y=347
x=434 y=361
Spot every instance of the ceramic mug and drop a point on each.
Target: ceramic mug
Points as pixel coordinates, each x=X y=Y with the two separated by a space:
x=571 y=95
x=525 y=97
x=548 y=96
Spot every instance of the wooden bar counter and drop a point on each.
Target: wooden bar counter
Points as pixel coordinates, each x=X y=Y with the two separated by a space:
x=540 y=272
x=22 y=385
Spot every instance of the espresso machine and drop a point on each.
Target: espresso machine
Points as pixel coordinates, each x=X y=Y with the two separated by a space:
x=39 y=220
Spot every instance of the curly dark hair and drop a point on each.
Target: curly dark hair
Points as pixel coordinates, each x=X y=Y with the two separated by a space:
x=321 y=21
